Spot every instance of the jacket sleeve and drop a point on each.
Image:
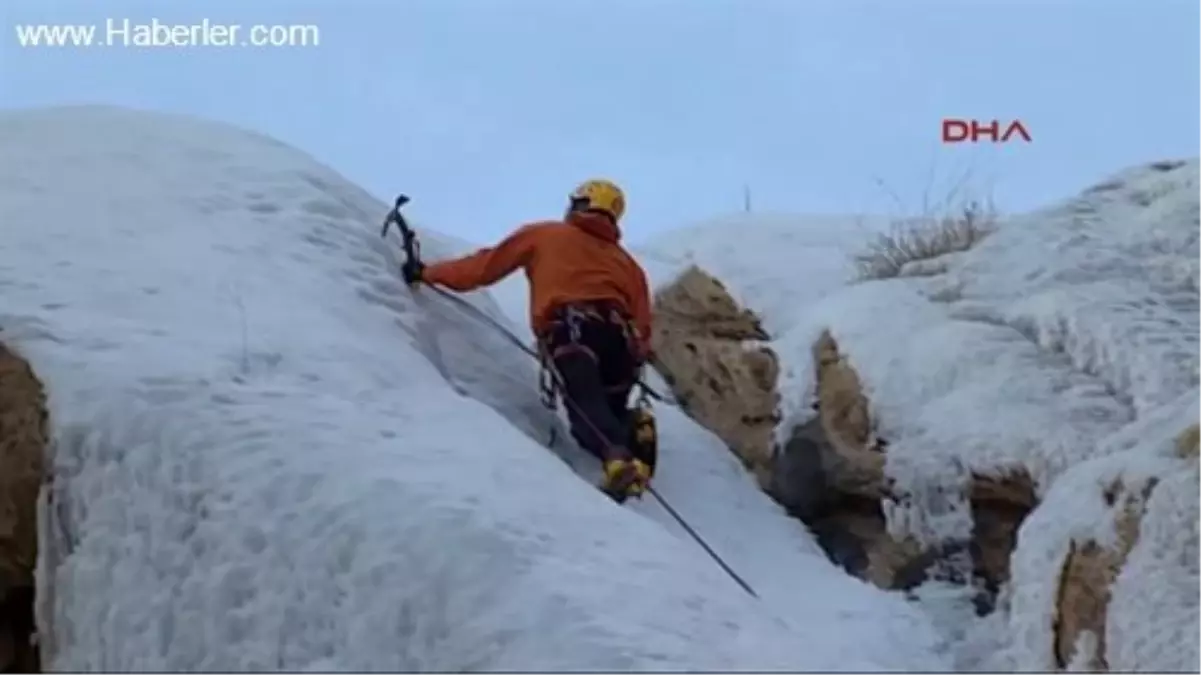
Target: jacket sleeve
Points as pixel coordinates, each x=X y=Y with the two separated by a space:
x=642 y=312
x=486 y=266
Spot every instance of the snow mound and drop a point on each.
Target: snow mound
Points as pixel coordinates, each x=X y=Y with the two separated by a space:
x=1052 y=372
x=775 y=263
x=269 y=456
x=776 y=555
x=1062 y=348
x=1038 y=344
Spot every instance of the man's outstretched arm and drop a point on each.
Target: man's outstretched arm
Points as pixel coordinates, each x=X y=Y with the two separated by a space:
x=486 y=266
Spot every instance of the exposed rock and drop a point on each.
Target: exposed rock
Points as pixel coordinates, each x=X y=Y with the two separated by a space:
x=799 y=479
x=1089 y=571
x=23 y=437
x=17 y=654
x=1167 y=165
x=856 y=461
x=831 y=474
x=999 y=505
x=725 y=385
x=1187 y=443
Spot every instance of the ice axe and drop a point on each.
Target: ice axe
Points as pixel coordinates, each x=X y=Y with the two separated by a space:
x=412 y=247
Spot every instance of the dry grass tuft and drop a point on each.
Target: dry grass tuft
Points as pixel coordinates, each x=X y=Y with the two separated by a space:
x=924 y=238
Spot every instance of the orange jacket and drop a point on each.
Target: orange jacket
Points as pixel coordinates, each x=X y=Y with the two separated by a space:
x=565 y=261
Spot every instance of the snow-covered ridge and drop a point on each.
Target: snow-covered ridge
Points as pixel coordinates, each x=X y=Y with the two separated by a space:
x=1062 y=348
x=269 y=455
x=776 y=263
x=1043 y=340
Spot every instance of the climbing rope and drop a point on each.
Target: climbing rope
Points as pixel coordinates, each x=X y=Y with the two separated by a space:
x=554 y=383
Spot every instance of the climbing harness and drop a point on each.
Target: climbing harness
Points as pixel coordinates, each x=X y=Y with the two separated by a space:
x=551 y=383
x=546 y=383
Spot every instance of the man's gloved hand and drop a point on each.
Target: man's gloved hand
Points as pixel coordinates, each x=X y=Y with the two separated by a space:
x=412 y=271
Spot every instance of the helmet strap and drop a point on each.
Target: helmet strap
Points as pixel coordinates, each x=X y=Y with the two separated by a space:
x=584 y=205
x=576 y=205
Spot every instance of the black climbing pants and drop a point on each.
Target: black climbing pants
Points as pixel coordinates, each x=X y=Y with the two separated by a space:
x=589 y=345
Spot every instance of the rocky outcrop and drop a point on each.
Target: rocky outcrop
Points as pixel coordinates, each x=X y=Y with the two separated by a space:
x=1086 y=580
x=856 y=463
x=1187 y=443
x=1077 y=428
x=729 y=387
x=831 y=474
x=1083 y=603
x=23 y=438
x=999 y=505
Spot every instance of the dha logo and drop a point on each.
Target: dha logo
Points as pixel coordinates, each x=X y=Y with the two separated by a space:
x=970 y=131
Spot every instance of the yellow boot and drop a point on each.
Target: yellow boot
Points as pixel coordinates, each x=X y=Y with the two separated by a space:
x=644 y=441
x=625 y=478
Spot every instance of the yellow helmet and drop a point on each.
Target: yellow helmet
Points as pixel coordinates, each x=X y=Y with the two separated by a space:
x=599 y=195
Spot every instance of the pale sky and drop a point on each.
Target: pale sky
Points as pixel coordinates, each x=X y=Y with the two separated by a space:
x=488 y=112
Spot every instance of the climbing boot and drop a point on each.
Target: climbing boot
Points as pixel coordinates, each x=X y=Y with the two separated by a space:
x=644 y=441
x=625 y=478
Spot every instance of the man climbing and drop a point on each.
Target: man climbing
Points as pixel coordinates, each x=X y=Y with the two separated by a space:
x=590 y=309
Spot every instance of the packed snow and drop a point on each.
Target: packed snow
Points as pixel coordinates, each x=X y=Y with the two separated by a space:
x=1040 y=343
x=269 y=455
x=776 y=263
x=1064 y=345
x=780 y=266
x=1042 y=297
x=784 y=263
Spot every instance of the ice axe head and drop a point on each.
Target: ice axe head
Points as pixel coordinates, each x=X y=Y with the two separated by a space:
x=394 y=216
x=408 y=238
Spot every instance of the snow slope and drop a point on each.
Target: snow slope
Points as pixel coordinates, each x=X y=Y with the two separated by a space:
x=776 y=263
x=772 y=551
x=1064 y=345
x=1034 y=347
x=779 y=265
x=268 y=455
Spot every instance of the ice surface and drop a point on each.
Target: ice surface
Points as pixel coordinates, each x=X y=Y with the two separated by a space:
x=268 y=455
x=776 y=264
x=1160 y=580
x=1060 y=329
x=1068 y=346
x=706 y=483
x=1064 y=346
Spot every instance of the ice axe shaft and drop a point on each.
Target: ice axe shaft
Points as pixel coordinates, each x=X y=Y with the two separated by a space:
x=407 y=236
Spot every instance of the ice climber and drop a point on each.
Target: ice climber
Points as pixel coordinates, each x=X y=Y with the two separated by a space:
x=590 y=308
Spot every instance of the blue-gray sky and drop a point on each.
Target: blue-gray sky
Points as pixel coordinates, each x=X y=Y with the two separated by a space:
x=488 y=112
